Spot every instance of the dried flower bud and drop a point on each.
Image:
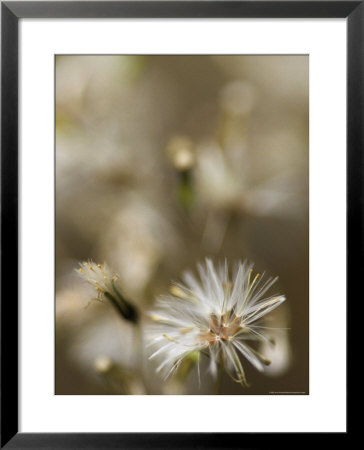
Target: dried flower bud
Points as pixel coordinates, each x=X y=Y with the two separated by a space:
x=106 y=285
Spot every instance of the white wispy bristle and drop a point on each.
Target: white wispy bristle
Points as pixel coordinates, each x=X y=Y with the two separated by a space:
x=215 y=314
x=98 y=276
x=106 y=285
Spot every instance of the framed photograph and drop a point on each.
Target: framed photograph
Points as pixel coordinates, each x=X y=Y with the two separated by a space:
x=181 y=221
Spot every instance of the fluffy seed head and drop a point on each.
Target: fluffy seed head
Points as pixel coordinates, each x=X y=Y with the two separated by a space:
x=217 y=315
x=105 y=282
x=99 y=276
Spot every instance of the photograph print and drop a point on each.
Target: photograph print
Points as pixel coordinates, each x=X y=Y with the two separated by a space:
x=181 y=224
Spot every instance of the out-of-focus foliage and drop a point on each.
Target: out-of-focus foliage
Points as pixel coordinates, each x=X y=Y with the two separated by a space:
x=161 y=161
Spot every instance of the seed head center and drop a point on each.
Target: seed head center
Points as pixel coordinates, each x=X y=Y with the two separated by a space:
x=222 y=327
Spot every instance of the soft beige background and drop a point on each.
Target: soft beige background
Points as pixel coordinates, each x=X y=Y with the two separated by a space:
x=118 y=197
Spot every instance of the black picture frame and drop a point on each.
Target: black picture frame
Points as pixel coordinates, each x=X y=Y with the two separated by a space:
x=11 y=13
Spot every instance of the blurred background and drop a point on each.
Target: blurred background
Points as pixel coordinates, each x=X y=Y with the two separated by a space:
x=160 y=162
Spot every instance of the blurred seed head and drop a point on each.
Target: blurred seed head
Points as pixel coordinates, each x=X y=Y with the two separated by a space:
x=135 y=240
x=103 y=334
x=103 y=364
x=180 y=151
x=216 y=183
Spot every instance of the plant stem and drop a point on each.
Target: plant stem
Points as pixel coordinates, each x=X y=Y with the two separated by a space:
x=220 y=374
x=138 y=337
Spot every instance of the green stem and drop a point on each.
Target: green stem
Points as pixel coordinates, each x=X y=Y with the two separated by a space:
x=138 y=338
x=218 y=385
